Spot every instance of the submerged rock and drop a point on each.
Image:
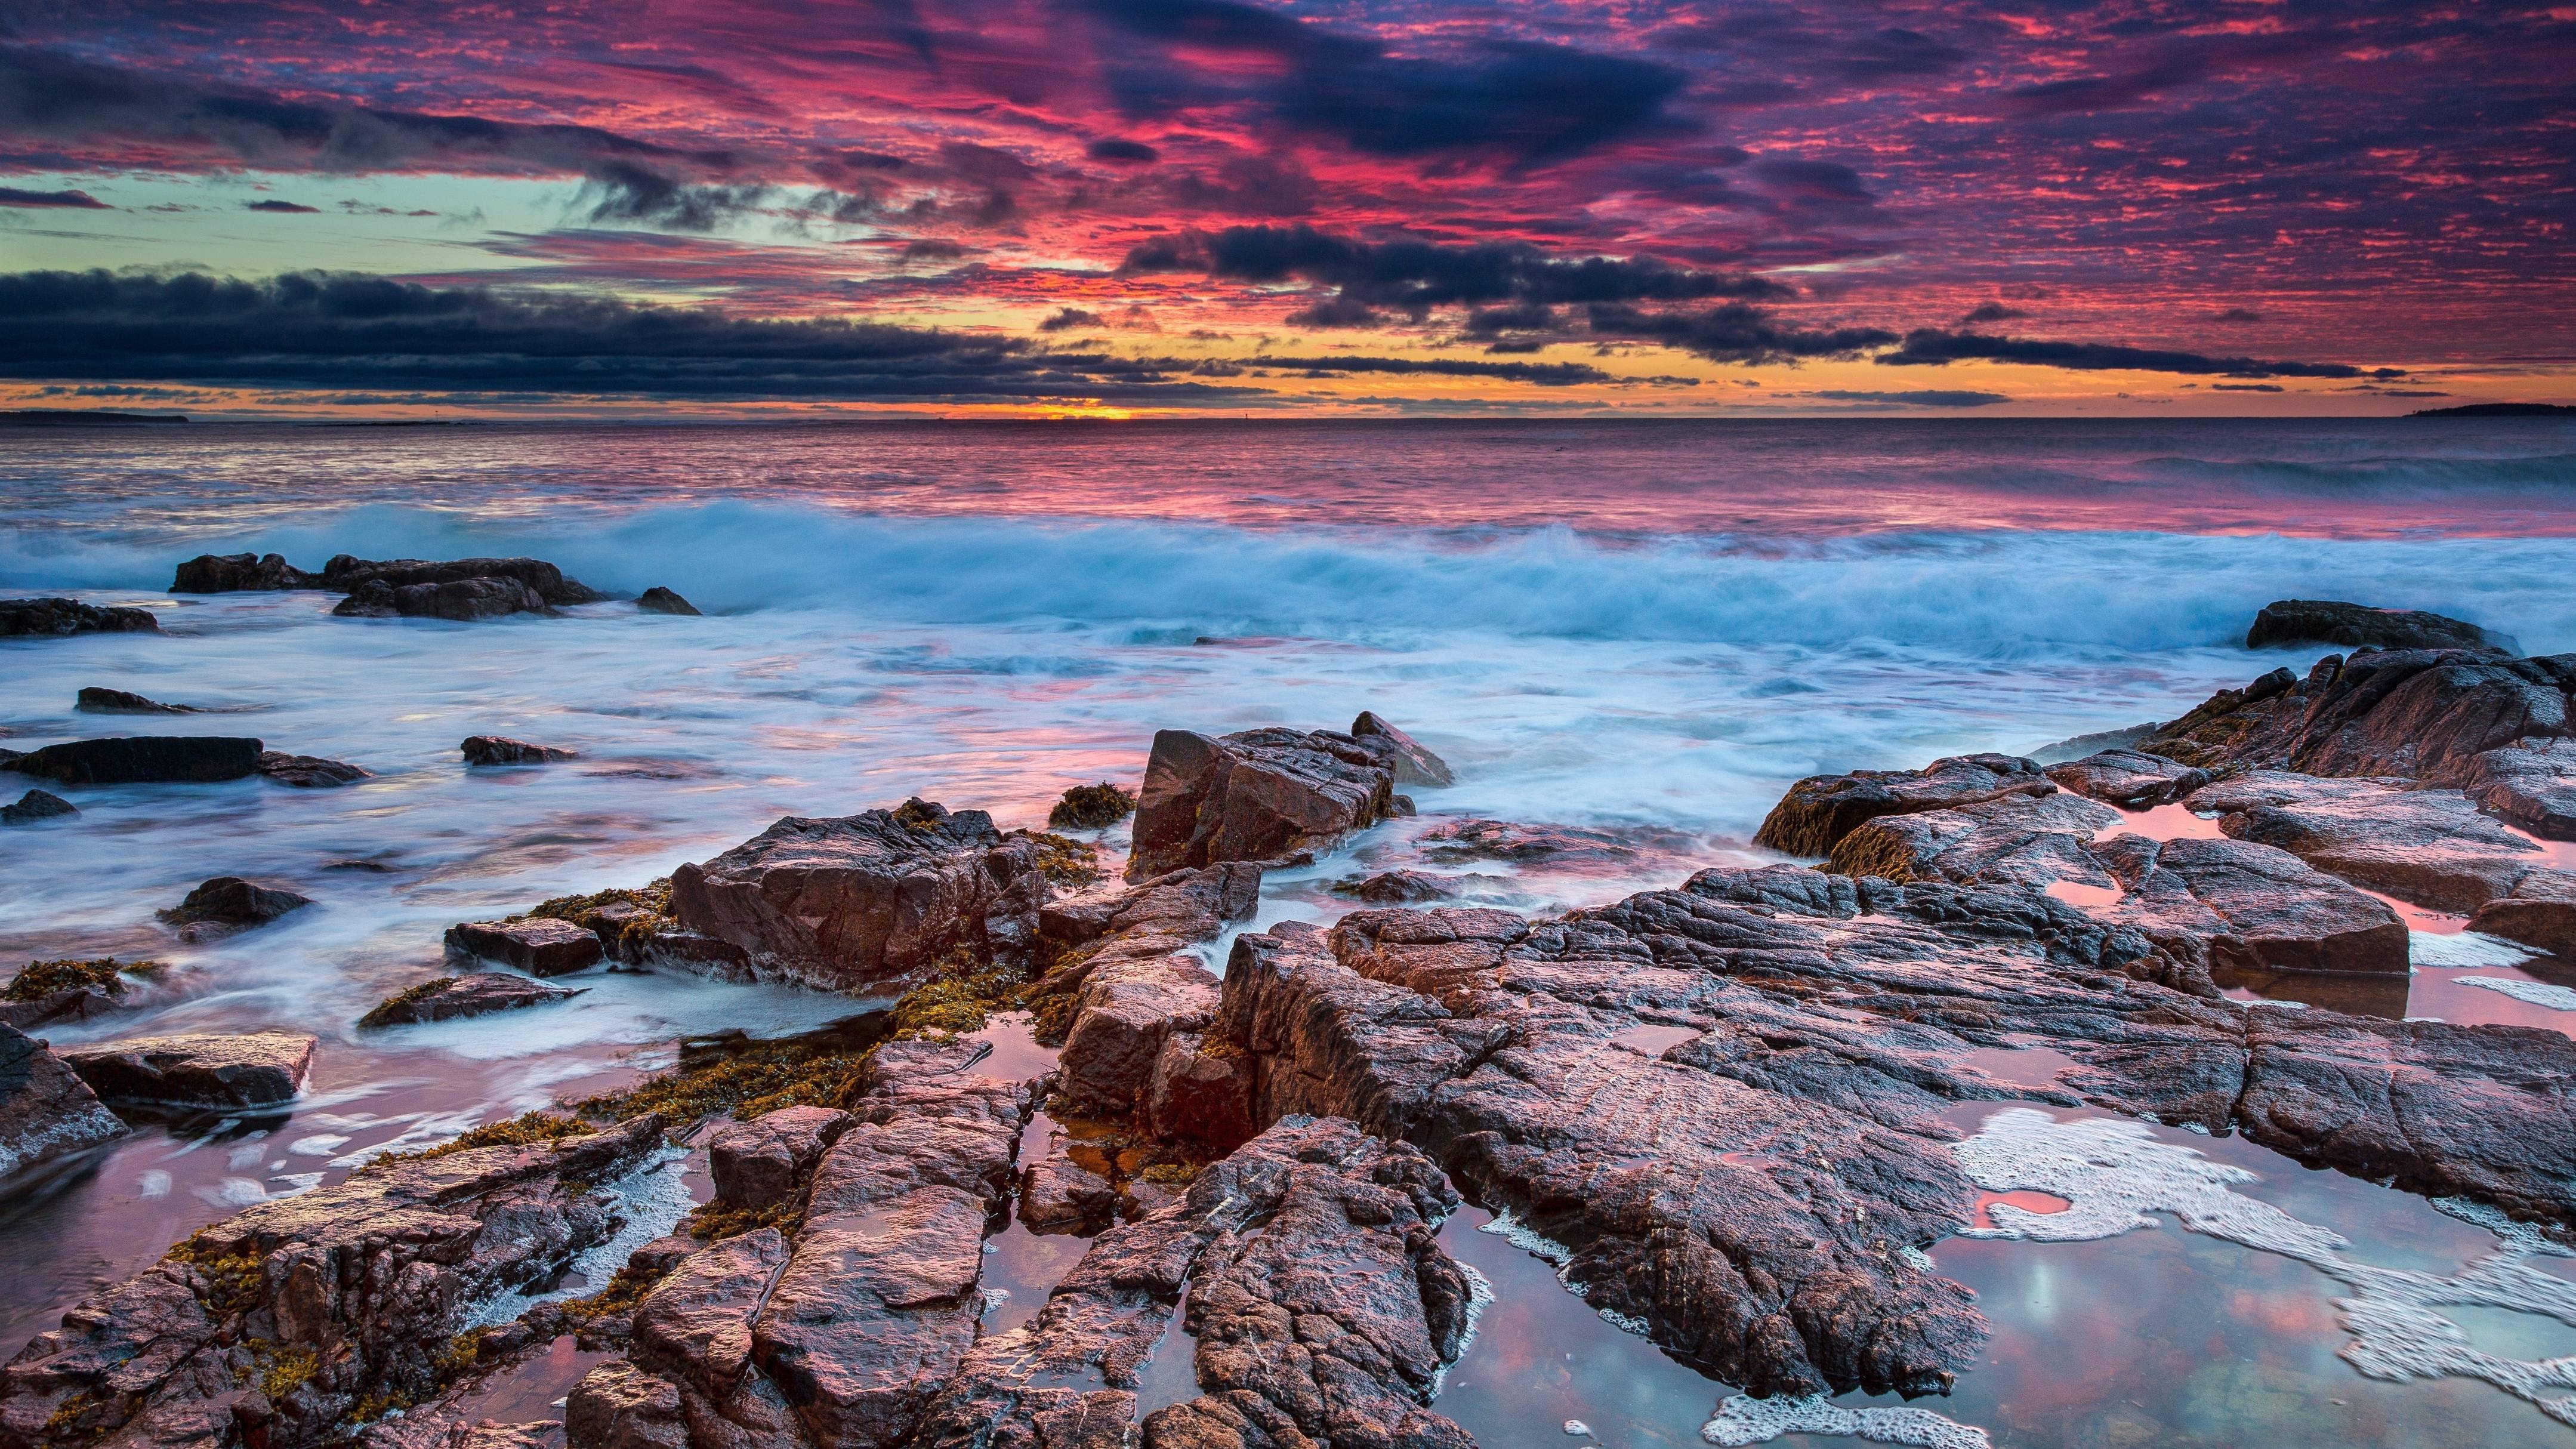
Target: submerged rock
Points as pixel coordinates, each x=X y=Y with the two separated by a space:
x=1256 y=795
x=68 y=989
x=1396 y=888
x=868 y=902
x=1820 y=810
x=41 y=617
x=310 y=772
x=46 y=1110
x=143 y=760
x=463 y=600
x=228 y=903
x=197 y=1069
x=659 y=600
x=479 y=993
x=361 y=1286
x=96 y=700
x=225 y=573
x=1523 y=844
x=2322 y=621
x=37 y=805
x=536 y=945
x=502 y=750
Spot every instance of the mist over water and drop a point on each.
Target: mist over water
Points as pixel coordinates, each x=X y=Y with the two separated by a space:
x=1648 y=627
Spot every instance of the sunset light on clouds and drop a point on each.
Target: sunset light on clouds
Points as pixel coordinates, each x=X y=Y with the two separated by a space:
x=1123 y=207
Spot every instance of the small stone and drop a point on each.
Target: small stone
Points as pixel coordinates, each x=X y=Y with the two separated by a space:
x=477 y=994
x=36 y=805
x=95 y=700
x=659 y=600
x=228 y=903
x=536 y=945
x=502 y=750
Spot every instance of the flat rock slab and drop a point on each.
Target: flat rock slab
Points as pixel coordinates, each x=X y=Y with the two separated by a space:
x=40 y=618
x=478 y=994
x=2326 y=621
x=1256 y=795
x=143 y=760
x=869 y=902
x=537 y=945
x=198 y=1069
x=46 y=1110
x=1817 y=812
x=2430 y=846
x=2533 y=785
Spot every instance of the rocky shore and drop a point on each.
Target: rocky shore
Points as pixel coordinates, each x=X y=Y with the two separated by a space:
x=1727 y=1108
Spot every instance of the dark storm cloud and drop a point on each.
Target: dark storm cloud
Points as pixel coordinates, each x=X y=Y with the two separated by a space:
x=1920 y=397
x=1532 y=103
x=1933 y=347
x=1544 y=374
x=76 y=200
x=1991 y=312
x=1412 y=276
x=1113 y=149
x=1066 y=318
x=2239 y=314
x=286 y=208
x=319 y=330
x=1733 y=332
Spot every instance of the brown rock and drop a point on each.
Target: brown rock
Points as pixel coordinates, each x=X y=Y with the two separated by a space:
x=1403 y=755
x=225 y=573
x=463 y=600
x=2250 y=906
x=1200 y=1092
x=761 y=1163
x=2429 y=846
x=46 y=1110
x=349 y=575
x=659 y=600
x=228 y=903
x=2541 y=912
x=2534 y=786
x=309 y=772
x=1820 y=810
x=197 y=1069
x=535 y=944
x=619 y=1406
x=142 y=759
x=502 y=750
x=95 y=700
x=2128 y=779
x=1059 y=1195
x=1396 y=888
x=1122 y=1016
x=2320 y=621
x=478 y=993
x=37 y=805
x=2422 y=714
x=1257 y=795
x=870 y=902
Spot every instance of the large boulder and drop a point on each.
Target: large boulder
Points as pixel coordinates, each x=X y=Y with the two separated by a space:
x=143 y=760
x=197 y=1069
x=228 y=903
x=226 y=573
x=1122 y=1016
x=867 y=903
x=1817 y=812
x=2422 y=714
x=350 y=575
x=43 y=617
x=1256 y=795
x=46 y=1110
x=365 y=1284
x=462 y=600
x=535 y=944
x=2358 y=626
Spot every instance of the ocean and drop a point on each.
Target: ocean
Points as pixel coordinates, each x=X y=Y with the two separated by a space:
x=1643 y=629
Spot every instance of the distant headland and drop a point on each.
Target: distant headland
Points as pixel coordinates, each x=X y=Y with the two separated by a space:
x=82 y=418
x=2499 y=410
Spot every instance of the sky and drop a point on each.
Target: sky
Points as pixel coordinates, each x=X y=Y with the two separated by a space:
x=1104 y=208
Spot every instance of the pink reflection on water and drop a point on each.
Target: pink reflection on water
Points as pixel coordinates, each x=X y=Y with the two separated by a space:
x=2420 y=918
x=2084 y=897
x=2164 y=822
x=2028 y=1200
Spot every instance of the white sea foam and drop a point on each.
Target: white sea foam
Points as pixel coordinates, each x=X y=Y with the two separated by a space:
x=2463 y=948
x=2113 y=1173
x=2533 y=993
x=1746 y=1420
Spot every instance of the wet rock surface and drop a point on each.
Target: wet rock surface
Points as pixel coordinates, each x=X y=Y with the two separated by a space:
x=143 y=760
x=359 y=1287
x=37 y=805
x=2325 y=621
x=502 y=750
x=2430 y=846
x=1743 y=1191
x=1523 y=844
x=1257 y=795
x=1403 y=755
x=2127 y=778
x=1319 y=1310
x=867 y=902
x=197 y=1069
x=1128 y=984
x=2420 y=714
x=225 y=573
x=94 y=699
x=536 y=945
x=1396 y=888
x=46 y=1110
x=478 y=994
x=544 y=580
x=310 y=772
x=463 y=600
x=1820 y=810
x=42 y=618
x=758 y=1164
x=659 y=600
x=2532 y=785
x=228 y=903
